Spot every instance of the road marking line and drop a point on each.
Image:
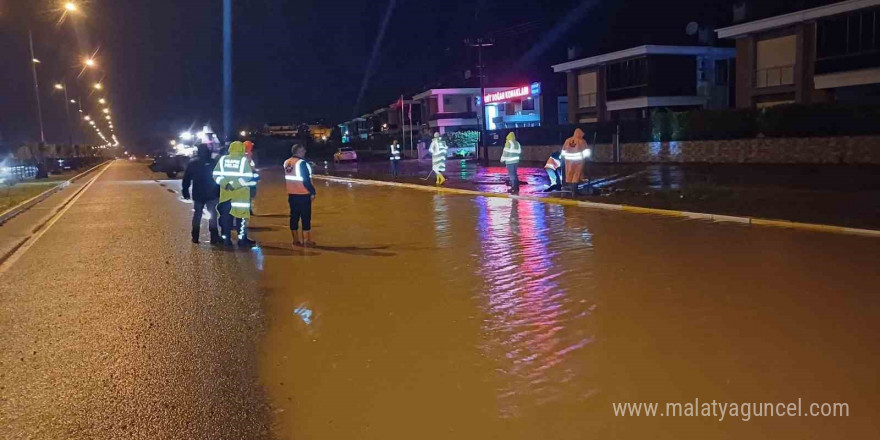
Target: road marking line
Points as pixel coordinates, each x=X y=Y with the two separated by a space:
x=816 y=227
x=20 y=208
x=31 y=240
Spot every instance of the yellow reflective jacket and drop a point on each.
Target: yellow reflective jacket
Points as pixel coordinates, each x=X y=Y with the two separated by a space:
x=235 y=175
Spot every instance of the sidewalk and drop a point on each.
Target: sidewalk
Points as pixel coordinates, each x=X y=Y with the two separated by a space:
x=11 y=196
x=841 y=195
x=18 y=229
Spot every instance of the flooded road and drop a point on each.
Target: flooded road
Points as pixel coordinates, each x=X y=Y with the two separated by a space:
x=432 y=316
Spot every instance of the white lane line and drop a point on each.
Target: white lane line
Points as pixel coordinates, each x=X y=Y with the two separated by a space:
x=30 y=241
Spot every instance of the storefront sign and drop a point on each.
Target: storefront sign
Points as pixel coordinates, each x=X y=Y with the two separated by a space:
x=519 y=92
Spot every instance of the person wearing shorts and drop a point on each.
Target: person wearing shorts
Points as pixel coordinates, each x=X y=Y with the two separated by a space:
x=300 y=193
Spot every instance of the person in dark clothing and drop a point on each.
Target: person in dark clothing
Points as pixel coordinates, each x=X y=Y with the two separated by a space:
x=205 y=192
x=300 y=193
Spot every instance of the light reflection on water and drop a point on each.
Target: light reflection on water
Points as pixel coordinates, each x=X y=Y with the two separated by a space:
x=528 y=312
x=502 y=318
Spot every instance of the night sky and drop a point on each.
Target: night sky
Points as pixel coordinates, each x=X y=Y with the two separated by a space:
x=303 y=60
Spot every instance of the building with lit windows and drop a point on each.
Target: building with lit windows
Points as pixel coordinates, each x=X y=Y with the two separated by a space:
x=825 y=54
x=627 y=84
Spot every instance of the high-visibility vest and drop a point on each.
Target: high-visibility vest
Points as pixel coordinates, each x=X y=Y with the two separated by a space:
x=553 y=163
x=395 y=152
x=511 y=152
x=576 y=156
x=438 y=155
x=294 y=176
x=235 y=176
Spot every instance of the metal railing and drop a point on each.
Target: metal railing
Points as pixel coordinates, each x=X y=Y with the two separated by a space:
x=774 y=76
x=587 y=101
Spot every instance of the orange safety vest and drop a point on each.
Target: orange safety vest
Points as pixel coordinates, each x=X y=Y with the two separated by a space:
x=293 y=176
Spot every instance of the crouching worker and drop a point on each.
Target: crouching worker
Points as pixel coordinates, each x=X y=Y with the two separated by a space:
x=300 y=193
x=555 y=168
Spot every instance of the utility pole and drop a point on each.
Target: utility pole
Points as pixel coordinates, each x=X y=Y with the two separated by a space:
x=67 y=111
x=480 y=43
x=34 y=62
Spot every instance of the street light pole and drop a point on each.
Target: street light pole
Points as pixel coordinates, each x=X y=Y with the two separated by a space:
x=482 y=118
x=67 y=111
x=480 y=43
x=36 y=86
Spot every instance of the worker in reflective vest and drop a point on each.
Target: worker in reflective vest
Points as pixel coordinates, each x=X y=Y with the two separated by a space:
x=300 y=194
x=395 y=158
x=555 y=168
x=438 y=151
x=235 y=176
x=249 y=152
x=574 y=151
x=510 y=158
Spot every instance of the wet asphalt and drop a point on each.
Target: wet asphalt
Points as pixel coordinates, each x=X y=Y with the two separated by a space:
x=425 y=315
x=115 y=326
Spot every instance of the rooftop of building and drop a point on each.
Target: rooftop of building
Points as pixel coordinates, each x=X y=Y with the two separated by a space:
x=649 y=49
x=779 y=21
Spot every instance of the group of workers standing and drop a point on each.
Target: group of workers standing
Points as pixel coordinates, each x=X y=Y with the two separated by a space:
x=226 y=187
x=563 y=166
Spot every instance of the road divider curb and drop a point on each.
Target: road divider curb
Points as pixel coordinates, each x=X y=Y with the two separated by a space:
x=31 y=202
x=609 y=206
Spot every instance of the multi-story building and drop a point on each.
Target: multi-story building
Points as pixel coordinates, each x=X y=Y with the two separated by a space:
x=280 y=129
x=394 y=118
x=452 y=109
x=825 y=54
x=625 y=85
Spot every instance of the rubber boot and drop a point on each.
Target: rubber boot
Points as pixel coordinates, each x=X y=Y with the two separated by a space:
x=195 y=235
x=215 y=236
x=243 y=240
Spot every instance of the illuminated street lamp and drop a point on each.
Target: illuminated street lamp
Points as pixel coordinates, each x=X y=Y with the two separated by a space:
x=70 y=7
x=242 y=133
x=106 y=110
x=89 y=62
x=173 y=142
x=36 y=61
x=187 y=136
x=99 y=86
x=63 y=86
x=102 y=101
x=87 y=118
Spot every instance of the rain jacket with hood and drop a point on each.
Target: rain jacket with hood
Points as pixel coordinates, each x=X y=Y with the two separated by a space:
x=235 y=176
x=199 y=174
x=574 y=151
x=438 y=154
x=512 y=150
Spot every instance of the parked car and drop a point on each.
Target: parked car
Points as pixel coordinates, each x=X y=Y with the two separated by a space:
x=170 y=164
x=344 y=154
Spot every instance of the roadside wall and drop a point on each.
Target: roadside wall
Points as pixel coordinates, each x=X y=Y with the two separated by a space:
x=845 y=149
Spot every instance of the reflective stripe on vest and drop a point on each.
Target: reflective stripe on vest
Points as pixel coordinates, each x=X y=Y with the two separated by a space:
x=241 y=205
x=232 y=163
x=395 y=153
x=576 y=156
x=293 y=176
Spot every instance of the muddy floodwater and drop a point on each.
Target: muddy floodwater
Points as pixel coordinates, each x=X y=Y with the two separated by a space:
x=431 y=316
